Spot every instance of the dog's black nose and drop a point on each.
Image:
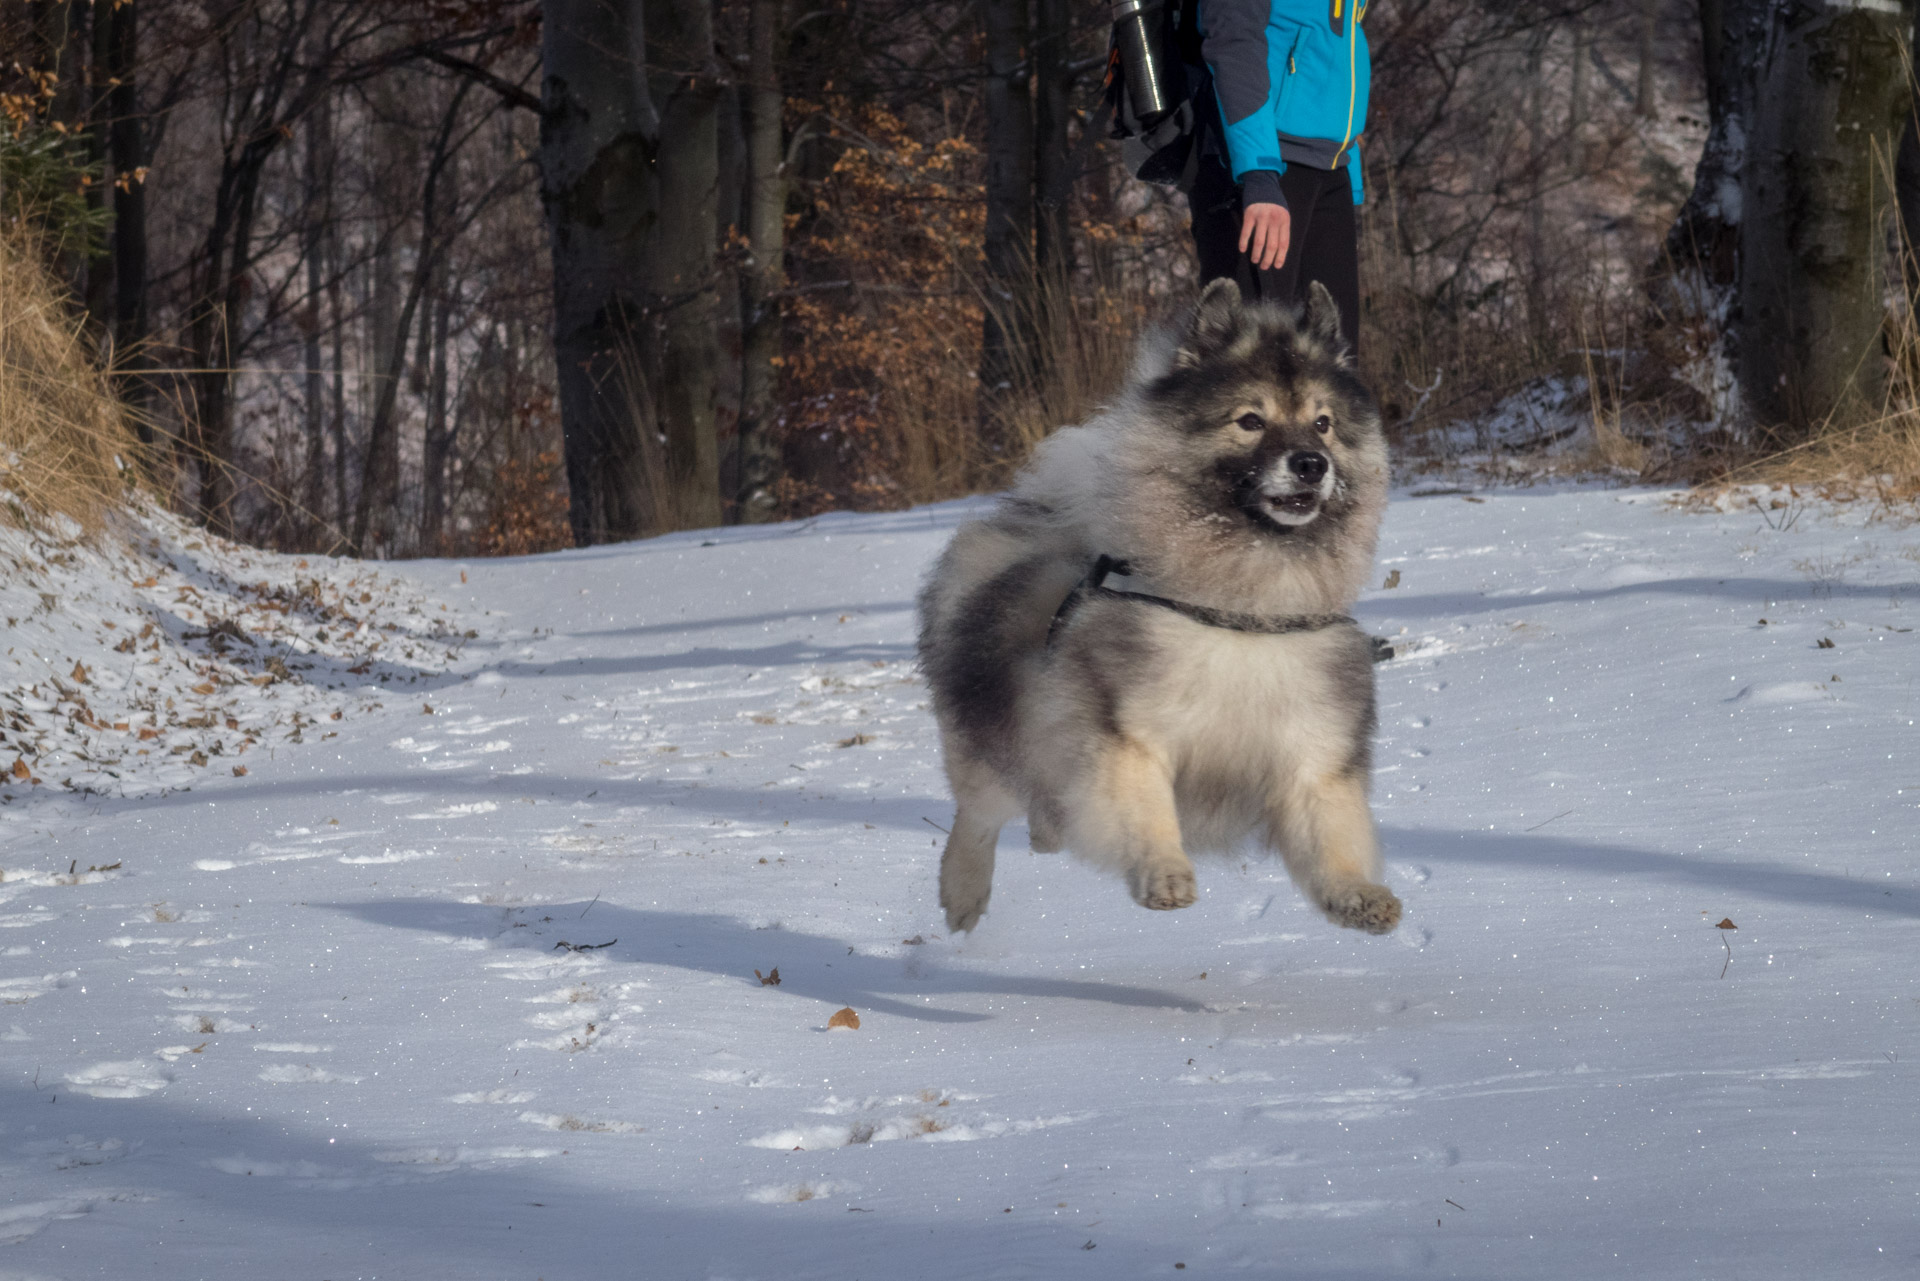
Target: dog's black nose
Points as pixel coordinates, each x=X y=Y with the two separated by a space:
x=1309 y=465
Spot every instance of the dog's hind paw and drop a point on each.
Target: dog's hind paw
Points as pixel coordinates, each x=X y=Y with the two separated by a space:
x=1163 y=886
x=1360 y=906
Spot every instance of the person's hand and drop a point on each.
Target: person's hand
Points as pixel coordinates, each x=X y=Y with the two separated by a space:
x=1264 y=232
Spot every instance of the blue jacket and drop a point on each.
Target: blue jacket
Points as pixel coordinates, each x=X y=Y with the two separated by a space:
x=1292 y=78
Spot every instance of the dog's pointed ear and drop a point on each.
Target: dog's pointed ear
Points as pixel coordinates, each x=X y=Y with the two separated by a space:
x=1323 y=316
x=1215 y=322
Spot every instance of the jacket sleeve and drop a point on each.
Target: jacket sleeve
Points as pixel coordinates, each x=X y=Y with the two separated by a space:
x=1236 y=49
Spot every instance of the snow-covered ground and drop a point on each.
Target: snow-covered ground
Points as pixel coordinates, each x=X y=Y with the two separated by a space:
x=467 y=989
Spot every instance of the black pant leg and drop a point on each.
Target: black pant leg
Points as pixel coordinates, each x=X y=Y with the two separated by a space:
x=1332 y=256
x=1214 y=209
x=1322 y=243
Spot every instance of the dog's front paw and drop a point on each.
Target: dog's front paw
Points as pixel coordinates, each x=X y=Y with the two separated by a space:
x=1165 y=886
x=964 y=907
x=1360 y=906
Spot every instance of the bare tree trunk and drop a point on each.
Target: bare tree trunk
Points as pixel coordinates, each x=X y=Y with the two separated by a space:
x=380 y=482
x=1579 y=74
x=337 y=325
x=765 y=270
x=437 y=444
x=97 y=96
x=1701 y=253
x=598 y=137
x=1052 y=156
x=318 y=172
x=391 y=161
x=730 y=211
x=1643 y=101
x=126 y=152
x=685 y=84
x=1906 y=185
x=1009 y=230
x=1538 y=324
x=219 y=312
x=1832 y=90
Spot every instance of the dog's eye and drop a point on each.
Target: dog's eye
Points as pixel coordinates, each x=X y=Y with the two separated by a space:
x=1323 y=424
x=1252 y=422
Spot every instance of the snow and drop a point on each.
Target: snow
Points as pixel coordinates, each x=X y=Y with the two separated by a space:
x=137 y=663
x=318 y=1020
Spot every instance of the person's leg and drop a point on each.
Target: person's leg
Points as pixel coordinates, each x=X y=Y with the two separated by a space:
x=1214 y=207
x=1331 y=253
x=1300 y=184
x=1321 y=239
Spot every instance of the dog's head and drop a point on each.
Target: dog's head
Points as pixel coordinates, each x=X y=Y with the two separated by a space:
x=1265 y=415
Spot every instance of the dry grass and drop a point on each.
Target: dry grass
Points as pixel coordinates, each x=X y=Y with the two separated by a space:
x=935 y=436
x=1083 y=340
x=1871 y=455
x=66 y=446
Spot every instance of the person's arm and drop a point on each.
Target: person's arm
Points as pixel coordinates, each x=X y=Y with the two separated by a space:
x=1236 y=49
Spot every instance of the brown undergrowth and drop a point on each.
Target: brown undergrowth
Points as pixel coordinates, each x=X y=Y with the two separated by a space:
x=67 y=447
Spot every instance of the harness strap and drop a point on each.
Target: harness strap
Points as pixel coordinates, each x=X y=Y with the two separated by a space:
x=1260 y=624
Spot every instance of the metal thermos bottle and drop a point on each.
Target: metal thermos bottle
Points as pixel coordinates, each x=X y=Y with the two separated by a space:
x=1135 y=28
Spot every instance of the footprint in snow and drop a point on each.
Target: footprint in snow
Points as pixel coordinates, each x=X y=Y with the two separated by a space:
x=119 y=1080
x=492 y=1096
x=304 y=1074
x=18 y=1222
x=791 y=1193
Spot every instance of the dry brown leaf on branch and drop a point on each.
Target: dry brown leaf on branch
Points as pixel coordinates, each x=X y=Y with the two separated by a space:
x=844 y=1017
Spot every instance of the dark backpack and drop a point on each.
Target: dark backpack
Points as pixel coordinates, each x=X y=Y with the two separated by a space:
x=1164 y=149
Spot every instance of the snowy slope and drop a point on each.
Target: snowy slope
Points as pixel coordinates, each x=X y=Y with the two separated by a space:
x=320 y=1022
x=138 y=661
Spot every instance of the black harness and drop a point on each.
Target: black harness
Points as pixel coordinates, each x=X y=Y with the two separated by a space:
x=1261 y=624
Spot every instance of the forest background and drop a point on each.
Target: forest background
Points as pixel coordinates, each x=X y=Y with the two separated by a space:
x=439 y=277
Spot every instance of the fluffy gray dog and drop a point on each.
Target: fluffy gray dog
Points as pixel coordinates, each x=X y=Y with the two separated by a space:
x=1237 y=488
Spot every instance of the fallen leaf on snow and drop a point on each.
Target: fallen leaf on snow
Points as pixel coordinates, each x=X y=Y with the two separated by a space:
x=769 y=980
x=858 y=740
x=1726 y=923
x=844 y=1017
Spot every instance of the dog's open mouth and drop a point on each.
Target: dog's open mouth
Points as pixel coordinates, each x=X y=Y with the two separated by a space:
x=1296 y=508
